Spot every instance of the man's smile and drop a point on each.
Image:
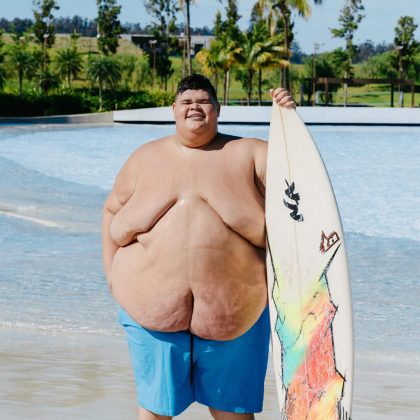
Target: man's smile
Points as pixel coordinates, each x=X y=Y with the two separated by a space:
x=196 y=115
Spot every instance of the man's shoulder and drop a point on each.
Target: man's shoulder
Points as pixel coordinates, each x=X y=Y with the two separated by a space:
x=152 y=146
x=251 y=144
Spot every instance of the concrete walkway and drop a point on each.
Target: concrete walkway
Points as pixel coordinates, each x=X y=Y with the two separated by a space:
x=256 y=115
x=96 y=118
x=253 y=115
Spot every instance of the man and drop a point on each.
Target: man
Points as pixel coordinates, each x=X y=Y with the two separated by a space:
x=184 y=256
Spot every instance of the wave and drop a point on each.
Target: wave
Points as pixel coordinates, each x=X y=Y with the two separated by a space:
x=405 y=362
x=381 y=235
x=56 y=329
x=43 y=222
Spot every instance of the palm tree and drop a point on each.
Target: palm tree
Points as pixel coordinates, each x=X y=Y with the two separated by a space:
x=223 y=54
x=2 y=55
x=268 y=57
x=22 y=62
x=69 y=63
x=283 y=10
x=258 y=53
x=2 y=70
x=209 y=60
x=105 y=71
x=2 y=77
x=47 y=80
x=229 y=55
x=250 y=48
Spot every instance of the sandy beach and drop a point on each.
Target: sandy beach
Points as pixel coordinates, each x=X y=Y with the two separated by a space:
x=63 y=376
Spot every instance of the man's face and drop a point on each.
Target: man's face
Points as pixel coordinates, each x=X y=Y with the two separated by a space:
x=195 y=111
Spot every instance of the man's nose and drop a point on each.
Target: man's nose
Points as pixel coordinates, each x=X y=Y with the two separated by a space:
x=195 y=105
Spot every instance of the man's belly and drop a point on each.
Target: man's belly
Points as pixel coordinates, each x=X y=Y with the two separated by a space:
x=191 y=272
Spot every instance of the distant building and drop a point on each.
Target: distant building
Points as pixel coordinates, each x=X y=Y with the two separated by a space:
x=145 y=42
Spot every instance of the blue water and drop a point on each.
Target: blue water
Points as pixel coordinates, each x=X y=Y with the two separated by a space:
x=54 y=180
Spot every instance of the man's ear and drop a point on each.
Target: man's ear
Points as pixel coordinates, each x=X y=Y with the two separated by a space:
x=218 y=108
x=173 y=110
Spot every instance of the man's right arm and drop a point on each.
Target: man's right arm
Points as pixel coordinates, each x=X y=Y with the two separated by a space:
x=121 y=192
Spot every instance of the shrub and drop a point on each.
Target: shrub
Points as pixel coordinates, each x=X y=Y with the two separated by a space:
x=78 y=102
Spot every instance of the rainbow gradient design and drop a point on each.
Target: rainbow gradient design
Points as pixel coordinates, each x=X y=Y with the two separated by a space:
x=313 y=386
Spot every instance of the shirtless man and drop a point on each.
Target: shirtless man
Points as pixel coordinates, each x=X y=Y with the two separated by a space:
x=184 y=256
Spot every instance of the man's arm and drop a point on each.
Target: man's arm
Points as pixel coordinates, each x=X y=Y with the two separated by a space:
x=283 y=98
x=121 y=192
x=260 y=162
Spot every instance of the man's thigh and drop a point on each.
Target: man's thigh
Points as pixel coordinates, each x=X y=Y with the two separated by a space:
x=161 y=365
x=225 y=415
x=229 y=375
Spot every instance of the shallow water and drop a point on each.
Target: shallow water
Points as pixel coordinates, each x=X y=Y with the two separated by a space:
x=54 y=180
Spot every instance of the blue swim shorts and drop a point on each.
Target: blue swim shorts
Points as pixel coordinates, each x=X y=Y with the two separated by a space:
x=174 y=369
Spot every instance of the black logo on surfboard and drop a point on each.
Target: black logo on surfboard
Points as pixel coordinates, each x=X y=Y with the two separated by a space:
x=290 y=193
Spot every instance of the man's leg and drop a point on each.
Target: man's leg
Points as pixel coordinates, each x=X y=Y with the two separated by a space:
x=148 y=415
x=229 y=375
x=225 y=415
x=161 y=365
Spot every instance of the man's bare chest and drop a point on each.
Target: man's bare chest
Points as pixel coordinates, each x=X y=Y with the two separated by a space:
x=226 y=187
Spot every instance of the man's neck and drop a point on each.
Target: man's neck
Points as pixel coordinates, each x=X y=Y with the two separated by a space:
x=193 y=141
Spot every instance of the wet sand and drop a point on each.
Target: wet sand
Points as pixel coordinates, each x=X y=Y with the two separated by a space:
x=64 y=376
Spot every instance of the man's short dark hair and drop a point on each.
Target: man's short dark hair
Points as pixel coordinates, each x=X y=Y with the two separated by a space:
x=196 y=82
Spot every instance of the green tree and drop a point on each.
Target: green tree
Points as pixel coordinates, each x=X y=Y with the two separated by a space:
x=257 y=52
x=416 y=67
x=350 y=18
x=274 y=9
x=2 y=54
x=142 y=73
x=185 y=5
x=269 y=57
x=43 y=28
x=164 y=11
x=218 y=23
x=381 y=66
x=338 y=62
x=105 y=71
x=20 y=59
x=229 y=52
x=39 y=58
x=405 y=45
x=230 y=25
x=128 y=67
x=209 y=60
x=47 y=80
x=69 y=64
x=109 y=27
x=228 y=38
x=328 y=64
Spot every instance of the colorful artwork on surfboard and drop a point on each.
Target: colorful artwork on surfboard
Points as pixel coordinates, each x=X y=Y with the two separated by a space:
x=313 y=386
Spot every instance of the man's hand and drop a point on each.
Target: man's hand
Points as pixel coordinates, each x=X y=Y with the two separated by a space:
x=283 y=98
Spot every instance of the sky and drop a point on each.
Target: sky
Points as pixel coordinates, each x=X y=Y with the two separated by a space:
x=378 y=25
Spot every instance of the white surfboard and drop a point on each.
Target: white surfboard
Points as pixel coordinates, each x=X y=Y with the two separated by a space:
x=308 y=279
